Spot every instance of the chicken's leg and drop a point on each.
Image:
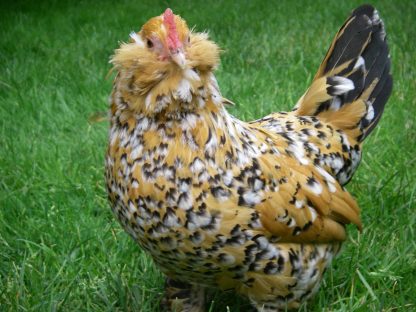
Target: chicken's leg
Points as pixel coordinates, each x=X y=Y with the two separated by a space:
x=183 y=297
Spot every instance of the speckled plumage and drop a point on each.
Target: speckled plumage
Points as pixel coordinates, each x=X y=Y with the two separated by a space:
x=255 y=207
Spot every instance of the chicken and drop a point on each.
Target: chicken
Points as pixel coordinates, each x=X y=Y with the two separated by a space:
x=256 y=207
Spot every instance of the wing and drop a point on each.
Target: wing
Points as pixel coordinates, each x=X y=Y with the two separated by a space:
x=279 y=190
x=279 y=196
x=309 y=206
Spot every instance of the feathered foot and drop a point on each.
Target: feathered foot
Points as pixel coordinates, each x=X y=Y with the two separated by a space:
x=265 y=308
x=182 y=297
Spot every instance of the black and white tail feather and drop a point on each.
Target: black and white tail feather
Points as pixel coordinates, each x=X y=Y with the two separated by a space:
x=353 y=82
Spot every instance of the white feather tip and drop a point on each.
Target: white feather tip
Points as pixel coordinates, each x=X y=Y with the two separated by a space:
x=136 y=39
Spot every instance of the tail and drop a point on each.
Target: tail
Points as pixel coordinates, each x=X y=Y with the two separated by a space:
x=353 y=82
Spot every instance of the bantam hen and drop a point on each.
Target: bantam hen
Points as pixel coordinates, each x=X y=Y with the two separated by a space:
x=256 y=207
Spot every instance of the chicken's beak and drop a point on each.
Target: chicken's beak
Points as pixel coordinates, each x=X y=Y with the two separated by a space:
x=179 y=58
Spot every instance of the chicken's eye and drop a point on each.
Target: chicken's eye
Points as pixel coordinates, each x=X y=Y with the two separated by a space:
x=189 y=39
x=149 y=43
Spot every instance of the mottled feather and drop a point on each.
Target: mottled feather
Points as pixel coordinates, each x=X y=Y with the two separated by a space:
x=258 y=207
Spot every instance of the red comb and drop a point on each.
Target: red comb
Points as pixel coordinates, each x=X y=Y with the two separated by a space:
x=173 y=37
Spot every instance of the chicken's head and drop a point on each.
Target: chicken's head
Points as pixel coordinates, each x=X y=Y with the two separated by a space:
x=167 y=36
x=163 y=58
x=166 y=39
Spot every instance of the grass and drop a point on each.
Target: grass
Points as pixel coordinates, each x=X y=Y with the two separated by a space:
x=61 y=249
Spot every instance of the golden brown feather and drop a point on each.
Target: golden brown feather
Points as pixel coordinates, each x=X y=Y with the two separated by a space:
x=255 y=207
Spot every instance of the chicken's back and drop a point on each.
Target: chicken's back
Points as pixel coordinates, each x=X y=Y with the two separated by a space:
x=310 y=139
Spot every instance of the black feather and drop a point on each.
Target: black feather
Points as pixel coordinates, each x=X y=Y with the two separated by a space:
x=379 y=103
x=363 y=35
x=360 y=54
x=350 y=42
x=358 y=79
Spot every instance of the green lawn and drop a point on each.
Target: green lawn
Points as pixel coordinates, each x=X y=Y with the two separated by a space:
x=61 y=249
